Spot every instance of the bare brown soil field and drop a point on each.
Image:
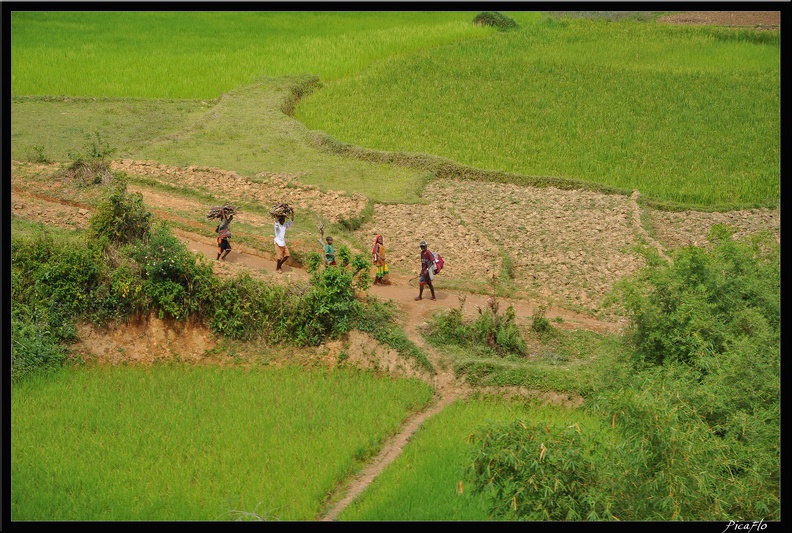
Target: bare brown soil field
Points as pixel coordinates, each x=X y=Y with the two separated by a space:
x=762 y=20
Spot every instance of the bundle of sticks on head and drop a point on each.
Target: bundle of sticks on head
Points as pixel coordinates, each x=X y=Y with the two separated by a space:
x=281 y=210
x=222 y=211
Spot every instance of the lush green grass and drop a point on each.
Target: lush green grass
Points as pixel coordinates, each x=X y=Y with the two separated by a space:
x=427 y=481
x=178 y=442
x=203 y=54
x=246 y=132
x=684 y=115
x=60 y=125
x=567 y=361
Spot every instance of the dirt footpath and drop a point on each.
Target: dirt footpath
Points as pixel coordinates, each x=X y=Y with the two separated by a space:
x=761 y=20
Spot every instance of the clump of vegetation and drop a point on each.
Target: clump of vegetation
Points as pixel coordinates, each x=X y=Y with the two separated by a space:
x=698 y=307
x=539 y=322
x=127 y=268
x=91 y=166
x=177 y=282
x=121 y=216
x=535 y=470
x=497 y=20
x=492 y=330
x=699 y=326
x=36 y=154
x=35 y=343
x=357 y=266
x=51 y=281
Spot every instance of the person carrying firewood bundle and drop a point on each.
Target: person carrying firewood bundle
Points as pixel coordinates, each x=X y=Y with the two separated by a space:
x=225 y=214
x=281 y=250
x=223 y=234
x=427 y=271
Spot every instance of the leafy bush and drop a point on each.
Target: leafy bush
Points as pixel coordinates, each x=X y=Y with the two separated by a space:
x=695 y=424
x=539 y=323
x=36 y=154
x=358 y=265
x=51 y=282
x=344 y=255
x=178 y=282
x=535 y=471
x=56 y=278
x=330 y=306
x=492 y=330
x=246 y=309
x=34 y=346
x=704 y=301
x=121 y=216
x=313 y=261
x=496 y=20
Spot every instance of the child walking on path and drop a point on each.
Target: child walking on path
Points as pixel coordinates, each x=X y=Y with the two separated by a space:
x=329 y=251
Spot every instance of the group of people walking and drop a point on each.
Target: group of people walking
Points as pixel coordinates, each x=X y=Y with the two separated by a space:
x=378 y=257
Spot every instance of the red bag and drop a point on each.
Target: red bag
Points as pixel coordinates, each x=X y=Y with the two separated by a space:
x=438 y=262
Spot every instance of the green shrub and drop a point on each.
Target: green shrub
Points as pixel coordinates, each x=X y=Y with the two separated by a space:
x=178 y=282
x=126 y=294
x=313 y=261
x=496 y=20
x=695 y=423
x=539 y=323
x=34 y=346
x=343 y=255
x=534 y=470
x=492 y=330
x=244 y=308
x=330 y=306
x=121 y=216
x=360 y=266
x=36 y=155
x=66 y=280
x=91 y=166
x=51 y=284
x=705 y=300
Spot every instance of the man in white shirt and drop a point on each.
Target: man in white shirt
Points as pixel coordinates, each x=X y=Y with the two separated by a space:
x=281 y=251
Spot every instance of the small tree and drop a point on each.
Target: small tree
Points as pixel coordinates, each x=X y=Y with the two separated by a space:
x=121 y=217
